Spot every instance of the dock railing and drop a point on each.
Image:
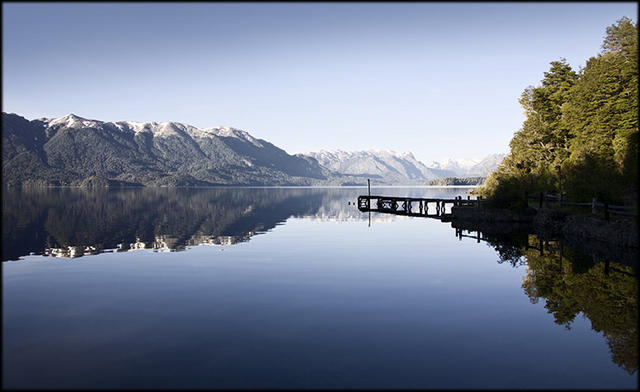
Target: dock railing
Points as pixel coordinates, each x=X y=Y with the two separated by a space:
x=415 y=206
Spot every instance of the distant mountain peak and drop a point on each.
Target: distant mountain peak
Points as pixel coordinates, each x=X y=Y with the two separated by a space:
x=164 y=128
x=401 y=167
x=387 y=165
x=71 y=120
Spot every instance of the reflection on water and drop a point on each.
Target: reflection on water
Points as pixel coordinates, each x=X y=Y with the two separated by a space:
x=596 y=281
x=601 y=286
x=573 y=281
x=72 y=222
x=75 y=222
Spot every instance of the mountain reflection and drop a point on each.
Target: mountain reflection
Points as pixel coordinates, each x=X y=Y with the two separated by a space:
x=72 y=222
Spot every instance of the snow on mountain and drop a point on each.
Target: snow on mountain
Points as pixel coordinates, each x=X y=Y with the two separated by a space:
x=402 y=167
x=72 y=150
x=470 y=167
x=459 y=167
x=71 y=120
x=384 y=164
x=485 y=166
x=237 y=146
x=161 y=129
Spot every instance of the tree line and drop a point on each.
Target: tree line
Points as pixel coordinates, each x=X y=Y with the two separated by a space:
x=456 y=181
x=580 y=136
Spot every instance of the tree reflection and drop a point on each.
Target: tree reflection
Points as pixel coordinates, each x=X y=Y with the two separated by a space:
x=572 y=283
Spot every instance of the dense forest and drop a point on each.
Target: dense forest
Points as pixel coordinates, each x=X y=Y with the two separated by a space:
x=456 y=181
x=580 y=136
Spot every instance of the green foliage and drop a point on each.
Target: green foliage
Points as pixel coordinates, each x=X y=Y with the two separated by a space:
x=603 y=116
x=581 y=131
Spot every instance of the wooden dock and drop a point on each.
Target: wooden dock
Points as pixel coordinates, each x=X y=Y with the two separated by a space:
x=414 y=206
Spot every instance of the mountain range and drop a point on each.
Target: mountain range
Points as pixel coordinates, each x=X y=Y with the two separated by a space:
x=400 y=167
x=72 y=150
x=387 y=165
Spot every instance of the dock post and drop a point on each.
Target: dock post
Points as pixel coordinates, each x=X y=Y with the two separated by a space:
x=593 y=206
x=540 y=202
x=369 y=192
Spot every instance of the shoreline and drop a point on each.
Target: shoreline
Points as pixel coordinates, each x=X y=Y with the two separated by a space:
x=8 y=187
x=578 y=229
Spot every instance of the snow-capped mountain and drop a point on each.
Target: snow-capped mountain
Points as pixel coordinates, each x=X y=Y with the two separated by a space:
x=157 y=129
x=72 y=150
x=485 y=166
x=386 y=165
x=469 y=167
x=459 y=166
x=401 y=168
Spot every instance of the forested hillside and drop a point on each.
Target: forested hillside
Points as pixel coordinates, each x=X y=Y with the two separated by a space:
x=72 y=150
x=580 y=136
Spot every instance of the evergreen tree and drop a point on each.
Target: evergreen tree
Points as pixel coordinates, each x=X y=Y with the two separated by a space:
x=542 y=142
x=602 y=114
x=581 y=130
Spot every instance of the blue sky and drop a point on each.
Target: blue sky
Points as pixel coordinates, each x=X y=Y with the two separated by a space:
x=437 y=79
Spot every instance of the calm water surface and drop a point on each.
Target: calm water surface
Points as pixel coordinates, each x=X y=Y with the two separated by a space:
x=294 y=288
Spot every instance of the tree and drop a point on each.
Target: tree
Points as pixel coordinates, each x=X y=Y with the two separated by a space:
x=542 y=142
x=582 y=125
x=602 y=114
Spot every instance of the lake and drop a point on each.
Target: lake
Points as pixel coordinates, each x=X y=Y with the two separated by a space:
x=267 y=288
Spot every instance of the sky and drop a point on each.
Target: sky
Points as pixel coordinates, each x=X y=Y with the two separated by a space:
x=441 y=80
